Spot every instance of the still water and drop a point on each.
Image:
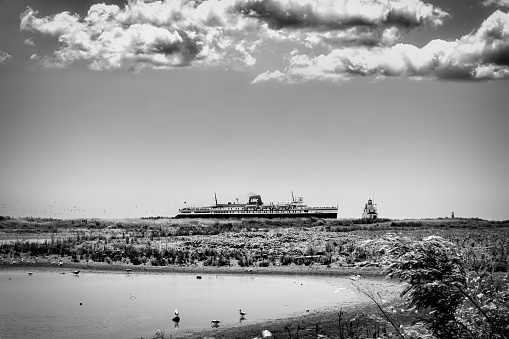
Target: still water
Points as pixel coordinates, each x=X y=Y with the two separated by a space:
x=118 y=305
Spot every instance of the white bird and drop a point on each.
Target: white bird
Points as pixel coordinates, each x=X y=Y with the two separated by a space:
x=176 y=311
x=76 y=272
x=215 y=322
x=242 y=313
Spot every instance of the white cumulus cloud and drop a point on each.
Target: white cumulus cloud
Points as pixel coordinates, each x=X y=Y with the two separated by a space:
x=498 y=3
x=144 y=33
x=338 y=14
x=174 y=33
x=483 y=54
x=330 y=40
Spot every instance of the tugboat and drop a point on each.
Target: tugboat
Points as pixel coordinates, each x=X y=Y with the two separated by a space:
x=255 y=208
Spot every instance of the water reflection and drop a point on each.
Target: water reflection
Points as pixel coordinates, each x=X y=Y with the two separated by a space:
x=242 y=316
x=176 y=321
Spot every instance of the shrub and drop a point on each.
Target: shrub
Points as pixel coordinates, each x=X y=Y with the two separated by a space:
x=457 y=303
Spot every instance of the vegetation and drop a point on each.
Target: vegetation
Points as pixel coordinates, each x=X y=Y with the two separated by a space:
x=455 y=299
x=247 y=243
x=455 y=269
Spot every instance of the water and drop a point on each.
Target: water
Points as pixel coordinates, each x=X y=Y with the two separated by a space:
x=118 y=305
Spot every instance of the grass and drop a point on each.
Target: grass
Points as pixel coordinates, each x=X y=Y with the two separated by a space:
x=246 y=243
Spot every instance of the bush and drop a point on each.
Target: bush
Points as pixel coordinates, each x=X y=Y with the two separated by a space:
x=457 y=303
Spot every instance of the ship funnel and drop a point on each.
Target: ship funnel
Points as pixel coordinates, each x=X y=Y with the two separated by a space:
x=255 y=200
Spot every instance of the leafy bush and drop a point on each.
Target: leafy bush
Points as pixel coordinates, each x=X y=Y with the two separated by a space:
x=457 y=303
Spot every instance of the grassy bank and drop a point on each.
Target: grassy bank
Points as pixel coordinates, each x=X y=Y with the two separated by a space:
x=244 y=243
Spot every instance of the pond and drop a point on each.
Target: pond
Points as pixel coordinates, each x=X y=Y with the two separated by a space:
x=60 y=304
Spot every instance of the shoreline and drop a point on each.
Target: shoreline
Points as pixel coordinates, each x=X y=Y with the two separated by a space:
x=314 y=270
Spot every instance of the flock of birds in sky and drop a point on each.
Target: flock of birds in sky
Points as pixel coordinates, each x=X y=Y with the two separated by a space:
x=64 y=210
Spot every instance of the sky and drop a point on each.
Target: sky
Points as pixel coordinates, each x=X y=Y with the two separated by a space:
x=129 y=109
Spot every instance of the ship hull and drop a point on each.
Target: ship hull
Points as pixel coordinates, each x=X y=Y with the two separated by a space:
x=212 y=215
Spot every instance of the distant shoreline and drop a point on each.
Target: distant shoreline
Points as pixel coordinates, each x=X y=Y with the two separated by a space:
x=298 y=270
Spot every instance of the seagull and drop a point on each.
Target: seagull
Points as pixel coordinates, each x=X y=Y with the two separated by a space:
x=176 y=312
x=242 y=313
x=30 y=273
x=216 y=322
x=76 y=272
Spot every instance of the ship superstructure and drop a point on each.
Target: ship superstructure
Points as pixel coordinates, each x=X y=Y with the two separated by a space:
x=255 y=208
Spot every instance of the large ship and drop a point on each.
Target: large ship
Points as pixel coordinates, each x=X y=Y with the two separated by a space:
x=255 y=208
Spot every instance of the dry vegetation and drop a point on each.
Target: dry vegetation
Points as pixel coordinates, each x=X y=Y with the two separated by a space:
x=454 y=267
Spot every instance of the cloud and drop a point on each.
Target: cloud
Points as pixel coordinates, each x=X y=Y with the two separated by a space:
x=267 y=76
x=4 y=56
x=158 y=34
x=332 y=40
x=341 y=14
x=498 y=3
x=481 y=55
x=29 y=41
x=175 y=33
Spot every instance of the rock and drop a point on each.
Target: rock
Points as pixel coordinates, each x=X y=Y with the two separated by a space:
x=266 y=334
